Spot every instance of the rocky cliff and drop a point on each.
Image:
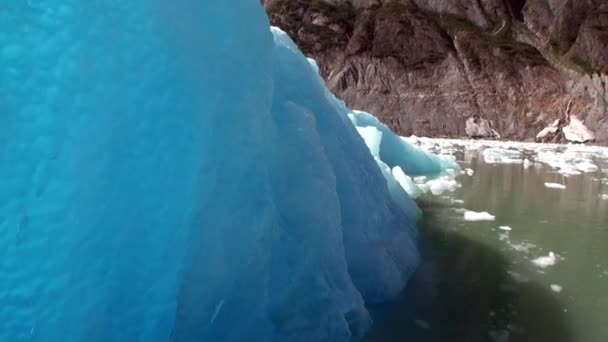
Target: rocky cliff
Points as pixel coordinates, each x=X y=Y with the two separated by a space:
x=481 y=68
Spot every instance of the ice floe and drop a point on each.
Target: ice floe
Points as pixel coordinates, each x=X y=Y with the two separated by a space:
x=568 y=160
x=545 y=261
x=473 y=216
x=555 y=186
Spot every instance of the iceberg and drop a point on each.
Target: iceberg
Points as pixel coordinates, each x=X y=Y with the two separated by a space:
x=177 y=171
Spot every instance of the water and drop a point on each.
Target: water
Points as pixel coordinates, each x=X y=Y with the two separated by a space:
x=478 y=282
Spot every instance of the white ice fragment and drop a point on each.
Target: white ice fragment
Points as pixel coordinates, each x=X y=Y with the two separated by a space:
x=469 y=172
x=569 y=172
x=505 y=228
x=475 y=216
x=372 y=137
x=545 y=261
x=527 y=163
x=555 y=186
x=523 y=247
x=556 y=288
x=501 y=156
x=604 y=197
x=586 y=165
x=441 y=185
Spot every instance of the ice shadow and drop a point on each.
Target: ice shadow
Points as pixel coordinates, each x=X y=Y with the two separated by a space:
x=461 y=292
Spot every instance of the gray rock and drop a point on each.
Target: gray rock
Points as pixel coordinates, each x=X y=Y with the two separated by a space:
x=426 y=66
x=477 y=127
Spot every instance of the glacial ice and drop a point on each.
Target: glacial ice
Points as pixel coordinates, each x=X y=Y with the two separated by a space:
x=173 y=171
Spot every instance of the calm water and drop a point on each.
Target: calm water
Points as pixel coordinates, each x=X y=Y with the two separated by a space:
x=478 y=282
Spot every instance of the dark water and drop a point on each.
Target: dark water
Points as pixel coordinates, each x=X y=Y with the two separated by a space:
x=478 y=283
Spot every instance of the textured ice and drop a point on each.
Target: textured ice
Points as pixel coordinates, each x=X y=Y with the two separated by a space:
x=395 y=152
x=173 y=171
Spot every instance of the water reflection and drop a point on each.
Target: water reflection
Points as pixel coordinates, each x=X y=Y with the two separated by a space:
x=463 y=292
x=477 y=281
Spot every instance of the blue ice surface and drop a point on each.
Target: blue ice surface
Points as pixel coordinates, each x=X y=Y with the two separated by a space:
x=170 y=170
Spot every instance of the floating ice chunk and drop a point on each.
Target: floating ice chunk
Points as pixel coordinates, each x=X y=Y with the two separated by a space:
x=475 y=216
x=441 y=185
x=518 y=277
x=523 y=247
x=567 y=171
x=457 y=201
x=505 y=228
x=501 y=156
x=545 y=261
x=469 y=172
x=586 y=165
x=604 y=197
x=527 y=163
x=555 y=186
x=556 y=288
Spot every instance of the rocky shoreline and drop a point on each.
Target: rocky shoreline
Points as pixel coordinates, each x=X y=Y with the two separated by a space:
x=508 y=69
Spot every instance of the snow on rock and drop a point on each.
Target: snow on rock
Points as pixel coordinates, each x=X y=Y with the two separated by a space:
x=191 y=182
x=475 y=216
x=545 y=261
x=555 y=186
x=549 y=130
x=577 y=132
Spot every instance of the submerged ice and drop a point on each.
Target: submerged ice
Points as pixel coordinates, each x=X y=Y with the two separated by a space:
x=175 y=171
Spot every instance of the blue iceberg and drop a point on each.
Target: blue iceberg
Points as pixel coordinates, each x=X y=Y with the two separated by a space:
x=173 y=170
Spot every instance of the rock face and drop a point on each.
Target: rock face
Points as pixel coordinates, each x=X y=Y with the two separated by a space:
x=477 y=127
x=483 y=68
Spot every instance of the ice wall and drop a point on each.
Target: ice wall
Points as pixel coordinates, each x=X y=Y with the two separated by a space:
x=172 y=171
